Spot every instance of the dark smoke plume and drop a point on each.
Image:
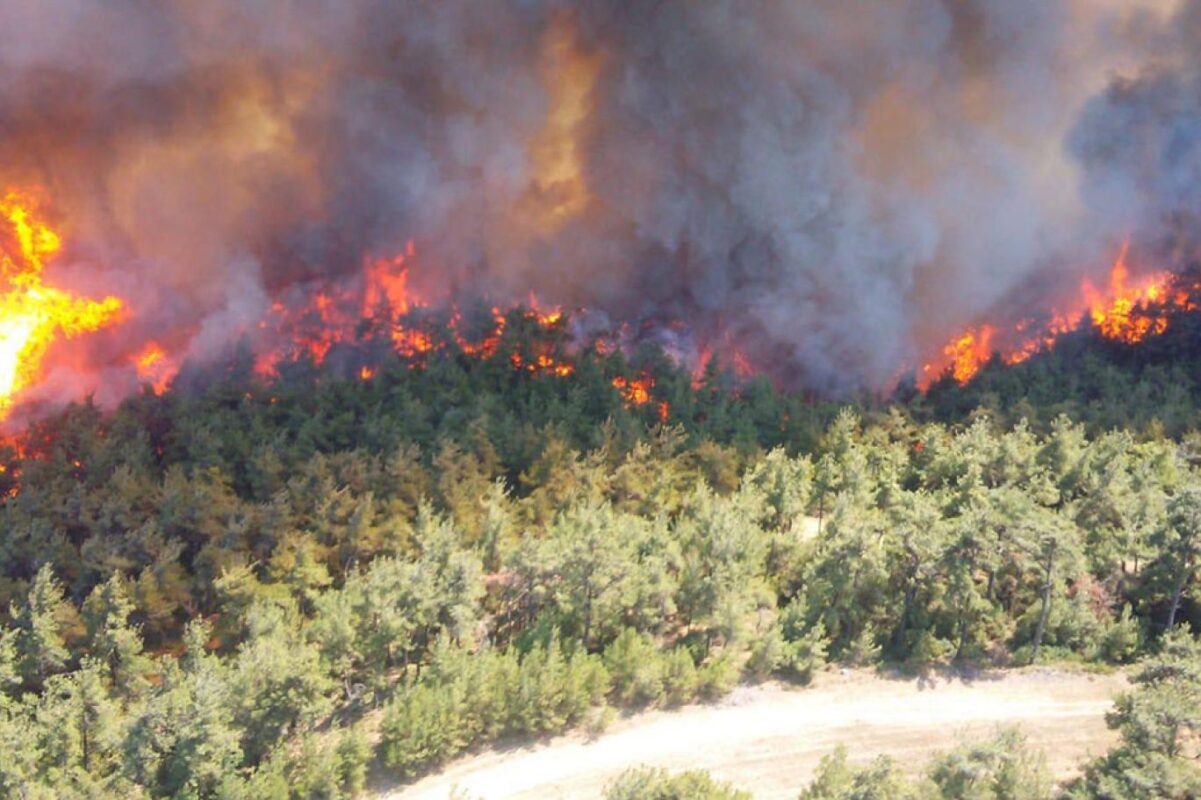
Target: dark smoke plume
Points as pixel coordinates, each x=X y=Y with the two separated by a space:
x=835 y=185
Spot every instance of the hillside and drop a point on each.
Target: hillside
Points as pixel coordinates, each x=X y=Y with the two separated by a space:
x=1104 y=382
x=243 y=587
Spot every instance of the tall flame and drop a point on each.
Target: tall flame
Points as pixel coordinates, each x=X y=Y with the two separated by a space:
x=1128 y=313
x=33 y=314
x=969 y=351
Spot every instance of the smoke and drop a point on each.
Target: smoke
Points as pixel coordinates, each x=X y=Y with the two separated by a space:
x=835 y=186
x=1139 y=142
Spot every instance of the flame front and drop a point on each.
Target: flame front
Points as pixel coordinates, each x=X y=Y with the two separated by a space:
x=32 y=314
x=1125 y=310
x=638 y=392
x=385 y=307
x=380 y=307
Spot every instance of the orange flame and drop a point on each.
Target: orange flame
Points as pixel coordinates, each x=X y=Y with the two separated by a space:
x=32 y=314
x=969 y=352
x=636 y=392
x=728 y=355
x=154 y=367
x=1126 y=312
x=384 y=306
x=1123 y=311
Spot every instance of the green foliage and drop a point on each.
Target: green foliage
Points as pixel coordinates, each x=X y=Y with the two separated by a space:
x=680 y=679
x=716 y=676
x=464 y=699
x=354 y=755
x=112 y=640
x=422 y=728
x=634 y=664
x=1001 y=768
x=656 y=784
x=1159 y=723
x=41 y=648
x=276 y=681
x=239 y=570
x=837 y=779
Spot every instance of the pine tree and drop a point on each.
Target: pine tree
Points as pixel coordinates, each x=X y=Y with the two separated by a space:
x=41 y=647
x=113 y=640
x=1179 y=545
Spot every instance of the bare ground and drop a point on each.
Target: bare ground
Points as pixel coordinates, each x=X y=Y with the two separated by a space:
x=769 y=738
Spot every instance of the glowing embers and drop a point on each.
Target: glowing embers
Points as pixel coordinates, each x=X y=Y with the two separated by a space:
x=1124 y=310
x=540 y=353
x=381 y=311
x=33 y=314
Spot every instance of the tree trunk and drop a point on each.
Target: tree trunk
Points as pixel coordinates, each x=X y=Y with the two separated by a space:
x=588 y=618
x=85 y=744
x=907 y=606
x=1178 y=594
x=963 y=624
x=903 y=628
x=1048 y=584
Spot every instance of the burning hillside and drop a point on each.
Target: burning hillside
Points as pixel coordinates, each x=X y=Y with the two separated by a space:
x=1124 y=310
x=362 y=322
x=825 y=197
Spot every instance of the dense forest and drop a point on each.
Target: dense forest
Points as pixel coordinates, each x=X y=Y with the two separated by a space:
x=256 y=588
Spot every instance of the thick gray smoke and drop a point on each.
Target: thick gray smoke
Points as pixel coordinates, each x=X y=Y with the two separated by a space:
x=1140 y=144
x=835 y=185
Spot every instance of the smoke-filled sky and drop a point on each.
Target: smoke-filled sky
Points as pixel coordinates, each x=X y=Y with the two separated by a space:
x=836 y=185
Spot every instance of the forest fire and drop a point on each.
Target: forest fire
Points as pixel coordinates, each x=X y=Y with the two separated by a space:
x=1131 y=313
x=708 y=357
x=378 y=307
x=637 y=392
x=154 y=367
x=32 y=313
x=1124 y=310
x=836 y=359
x=383 y=307
x=969 y=351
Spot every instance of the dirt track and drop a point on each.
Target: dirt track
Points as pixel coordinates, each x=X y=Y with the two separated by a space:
x=770 y=738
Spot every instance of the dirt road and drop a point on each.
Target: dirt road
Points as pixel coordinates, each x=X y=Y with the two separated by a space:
x=769 y=739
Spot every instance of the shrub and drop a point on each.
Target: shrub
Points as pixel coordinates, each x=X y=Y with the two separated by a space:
x=636 y=668
x=645 y=783
x=716 y=677
x=679 y=677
